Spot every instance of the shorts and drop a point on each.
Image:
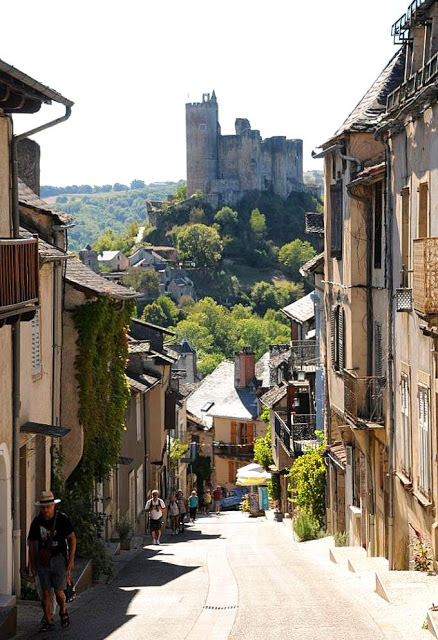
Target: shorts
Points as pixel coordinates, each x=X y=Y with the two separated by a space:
x=217 y=503
x=193 y=512
x=156 y=525
x=53 y=576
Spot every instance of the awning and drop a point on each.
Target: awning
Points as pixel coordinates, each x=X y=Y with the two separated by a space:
x=44 y=429
x=252 y=474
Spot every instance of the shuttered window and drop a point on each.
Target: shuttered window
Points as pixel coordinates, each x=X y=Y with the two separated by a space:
x=138 y=415
x=36 y=345
x=336 y=220
x=378 y=202
x=423 y=424
x=405 y=402
x=231 y=472
x=233 y=435
x=378 y=349
x=337 y=337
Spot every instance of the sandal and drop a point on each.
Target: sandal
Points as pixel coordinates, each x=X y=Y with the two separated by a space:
x=65 y=620
x=46 y=626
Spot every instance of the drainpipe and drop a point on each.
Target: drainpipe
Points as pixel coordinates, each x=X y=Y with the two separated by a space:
x=369 y=302
x=16 y=332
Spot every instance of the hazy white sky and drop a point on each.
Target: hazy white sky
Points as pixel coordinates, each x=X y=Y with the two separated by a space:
x=292 y=68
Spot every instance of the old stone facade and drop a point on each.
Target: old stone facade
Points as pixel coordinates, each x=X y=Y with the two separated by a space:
x=227 y=167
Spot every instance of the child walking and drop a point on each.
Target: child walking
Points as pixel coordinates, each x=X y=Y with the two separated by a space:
x=193 y=506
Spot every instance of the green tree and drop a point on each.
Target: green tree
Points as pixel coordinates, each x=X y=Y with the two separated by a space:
x=263 y=297
x=227 y=221
x=197 y=216
x=181 y=193
x=293 y=255
x=208 y=362
x=177 y=451
x=263 y=449
x=170 y=310
x=200 y=244
x=287 y=292
x=154 y=314
x=307 y=481
x=146 y=281
x=137 y=184
x=197 y=334
x=254 y=332
x=257 y=223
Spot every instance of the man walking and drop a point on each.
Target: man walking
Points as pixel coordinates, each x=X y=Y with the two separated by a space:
x=155 y=507
x=217 y=497
x=52 y=547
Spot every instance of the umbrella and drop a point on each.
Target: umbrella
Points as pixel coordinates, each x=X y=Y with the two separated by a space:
x=252 y=474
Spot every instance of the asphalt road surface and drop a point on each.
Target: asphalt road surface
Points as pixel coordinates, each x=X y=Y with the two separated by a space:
x=227 y=576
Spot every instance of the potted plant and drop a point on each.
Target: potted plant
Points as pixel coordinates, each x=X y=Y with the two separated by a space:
x=123 y=529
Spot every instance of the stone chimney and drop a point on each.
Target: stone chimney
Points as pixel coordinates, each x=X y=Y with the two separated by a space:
x=88 y=256
x=244 y=367
x=29 y=164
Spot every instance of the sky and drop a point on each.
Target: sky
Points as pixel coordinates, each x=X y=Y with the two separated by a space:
x=292 y=68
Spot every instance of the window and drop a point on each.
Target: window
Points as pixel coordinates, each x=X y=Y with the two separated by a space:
x=242 y=432
x=36 y=345
x=423 y=191
x=140 y=491
x=138 y=415
x=337 y=338
x=378 y=197
x=336 y=219
x=423 y=424
x=405 y=236
x=378 y=349
x=232 y=472
x=405 y=402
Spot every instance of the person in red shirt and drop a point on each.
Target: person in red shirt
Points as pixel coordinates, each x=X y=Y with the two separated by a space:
x=217 y=497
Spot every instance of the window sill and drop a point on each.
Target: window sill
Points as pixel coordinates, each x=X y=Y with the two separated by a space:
x=355 y=511
x=407 y=484
x=425 y=502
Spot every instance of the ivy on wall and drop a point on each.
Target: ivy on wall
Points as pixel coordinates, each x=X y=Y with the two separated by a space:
x=102 y=352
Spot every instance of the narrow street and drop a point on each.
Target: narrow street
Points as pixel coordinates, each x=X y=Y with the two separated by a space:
x=227 y=577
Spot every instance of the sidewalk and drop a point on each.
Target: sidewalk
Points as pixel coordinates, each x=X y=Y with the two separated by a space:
x=399 y=601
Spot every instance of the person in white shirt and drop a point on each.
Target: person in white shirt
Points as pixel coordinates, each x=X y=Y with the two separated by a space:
x=155 y=508
x=174 y=515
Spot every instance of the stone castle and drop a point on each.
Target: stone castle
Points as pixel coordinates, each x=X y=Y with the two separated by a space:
x=226 y=168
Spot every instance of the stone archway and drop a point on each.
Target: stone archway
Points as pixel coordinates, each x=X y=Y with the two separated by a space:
x=5 y=521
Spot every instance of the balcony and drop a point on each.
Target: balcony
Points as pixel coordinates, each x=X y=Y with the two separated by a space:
x=425 y=277
x=421 y=78
x=242 y=451
x=301 y=433
x=363 y=399
x=401 y=29
x=303 y=355
x=19 y=280
x=282 y=431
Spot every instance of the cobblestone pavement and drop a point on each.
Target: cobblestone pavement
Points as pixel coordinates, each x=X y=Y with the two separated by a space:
x=228 y=576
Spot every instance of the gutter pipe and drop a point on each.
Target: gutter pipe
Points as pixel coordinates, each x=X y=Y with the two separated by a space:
x=16 y=333
x=337 y=148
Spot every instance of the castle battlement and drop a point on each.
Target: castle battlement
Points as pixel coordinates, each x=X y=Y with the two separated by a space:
x=227 y=167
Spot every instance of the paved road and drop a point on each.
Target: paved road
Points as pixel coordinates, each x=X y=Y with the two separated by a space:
x=227 y=577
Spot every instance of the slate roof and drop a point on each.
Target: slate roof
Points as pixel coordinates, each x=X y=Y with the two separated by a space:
x=312 y=265
x=135 y=346
x=367 y=113
x=301 y=310
x=107 y=255
x=187 y=388
x=278 y=359
x=274 y=395
x=262 y=370
x=47 y=94
x=142 y=382
x=227 y=401
x=337 y=452
x=28 y=198
x=153 y=326
x=84 y=279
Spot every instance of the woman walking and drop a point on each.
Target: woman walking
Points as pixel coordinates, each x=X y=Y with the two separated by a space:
x=182 y=506
x=193 y=506
x=174 y=515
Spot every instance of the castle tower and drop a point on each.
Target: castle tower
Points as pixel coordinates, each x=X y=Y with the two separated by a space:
x=202 y=131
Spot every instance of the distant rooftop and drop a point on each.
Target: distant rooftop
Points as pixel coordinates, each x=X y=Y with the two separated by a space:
x=301 y=310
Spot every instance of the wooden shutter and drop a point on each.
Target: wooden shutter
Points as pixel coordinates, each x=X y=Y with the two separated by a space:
x=341 y=339
x=233 y=432
x=333 y=336
x=336 y=219
x=231 y=472
x=250 y=433
x=378 y=349
x=36 y=345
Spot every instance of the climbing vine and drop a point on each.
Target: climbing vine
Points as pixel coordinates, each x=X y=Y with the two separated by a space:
x=103 y=388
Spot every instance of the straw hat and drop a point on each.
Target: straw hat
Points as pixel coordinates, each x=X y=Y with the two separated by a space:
x=47 y=497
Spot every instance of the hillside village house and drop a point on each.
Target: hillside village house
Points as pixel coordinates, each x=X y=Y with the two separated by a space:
x=226 y=401
x=113 y=260
x=26 y=287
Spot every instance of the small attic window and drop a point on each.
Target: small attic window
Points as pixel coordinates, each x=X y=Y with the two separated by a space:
x=207 y=406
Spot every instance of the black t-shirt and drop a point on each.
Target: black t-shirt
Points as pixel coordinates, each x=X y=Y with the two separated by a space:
x=40 y=532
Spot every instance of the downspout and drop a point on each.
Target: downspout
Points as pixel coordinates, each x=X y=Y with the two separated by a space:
x=16 y=334
x=369 y=302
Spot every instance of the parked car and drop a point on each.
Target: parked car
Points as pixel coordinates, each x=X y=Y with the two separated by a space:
x=233 y=497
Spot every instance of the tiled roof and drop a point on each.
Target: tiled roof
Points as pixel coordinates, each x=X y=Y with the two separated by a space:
x=142 y=382
x=142 y=346
x=28 y=198
x=274 y=395
x=107 y=255
x=301 y=310
x=366 y=115
x=278 y=359
x=218 y=391
x=83 y=278
x=311 y=265
x=337 y=452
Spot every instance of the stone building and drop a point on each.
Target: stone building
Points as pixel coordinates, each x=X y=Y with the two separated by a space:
x=225 y=168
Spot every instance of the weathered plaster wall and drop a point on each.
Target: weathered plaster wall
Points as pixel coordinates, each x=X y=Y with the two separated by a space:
x=5 y=134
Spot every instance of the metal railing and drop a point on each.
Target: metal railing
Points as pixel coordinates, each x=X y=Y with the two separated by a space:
x=282 y=431
x=363 y=398
x=417 y=80
x=303 y=354
x=245 y=451
x=399 y=28
x=19 y=283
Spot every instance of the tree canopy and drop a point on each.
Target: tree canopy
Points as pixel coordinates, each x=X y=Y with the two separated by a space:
x=200 y=244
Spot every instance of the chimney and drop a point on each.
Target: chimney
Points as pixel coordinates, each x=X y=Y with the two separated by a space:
x=244 y=367
x=29 y=164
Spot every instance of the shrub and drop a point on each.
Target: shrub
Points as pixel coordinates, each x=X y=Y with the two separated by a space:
x=341 y=538
x=123 y=528
x=306 y=527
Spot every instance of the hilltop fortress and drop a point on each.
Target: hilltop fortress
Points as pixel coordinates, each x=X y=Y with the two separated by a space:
x=225 y=168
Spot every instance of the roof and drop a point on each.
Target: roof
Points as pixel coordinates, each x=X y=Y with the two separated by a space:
x=274 y=395
x=22 y=83
x=366 y=115
x=142 y=382
x=28 y=198
x=370 y=174
x=262 y=370
x=301 y=310
x=312 y=265
x=153 y=326
x=218 y=391
x=108 y=255
x=187 y=388
x=47 y=252
x=83 y=278
x=337 y=453
x=277 y=359
x=138 y=346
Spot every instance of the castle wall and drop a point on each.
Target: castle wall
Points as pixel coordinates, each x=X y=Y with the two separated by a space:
x=228 y=158
x=277 y=147
x=250 y=161
x=294 y=163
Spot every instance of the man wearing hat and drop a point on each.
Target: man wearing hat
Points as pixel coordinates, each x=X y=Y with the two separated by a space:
x=52 y=546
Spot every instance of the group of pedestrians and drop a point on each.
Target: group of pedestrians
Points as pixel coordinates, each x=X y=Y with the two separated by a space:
x=178 y=507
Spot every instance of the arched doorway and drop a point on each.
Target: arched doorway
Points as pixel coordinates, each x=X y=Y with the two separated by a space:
x=5 y=521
